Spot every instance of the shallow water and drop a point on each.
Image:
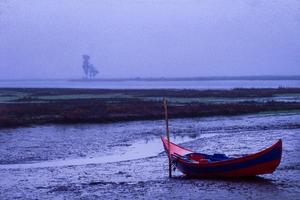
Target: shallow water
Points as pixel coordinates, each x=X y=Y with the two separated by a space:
x=203 y=84
x=138 y=150
x=125 y=160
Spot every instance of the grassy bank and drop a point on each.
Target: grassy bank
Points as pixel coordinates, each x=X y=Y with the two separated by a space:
x=20 y=107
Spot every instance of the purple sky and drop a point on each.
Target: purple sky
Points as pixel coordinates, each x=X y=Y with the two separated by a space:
x=149 y=38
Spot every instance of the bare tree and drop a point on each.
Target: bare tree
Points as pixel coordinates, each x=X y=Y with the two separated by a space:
x=89 y=70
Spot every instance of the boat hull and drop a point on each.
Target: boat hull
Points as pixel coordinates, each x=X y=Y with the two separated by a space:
x=263 y=162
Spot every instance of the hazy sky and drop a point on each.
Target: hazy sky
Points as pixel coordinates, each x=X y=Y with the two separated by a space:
x=149 y=38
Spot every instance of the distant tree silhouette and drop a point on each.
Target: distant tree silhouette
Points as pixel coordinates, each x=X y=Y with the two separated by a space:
x=89 y=70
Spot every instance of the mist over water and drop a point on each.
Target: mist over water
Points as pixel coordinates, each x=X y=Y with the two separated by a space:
x=155 y=38
x=143 y=84
x=61 y=144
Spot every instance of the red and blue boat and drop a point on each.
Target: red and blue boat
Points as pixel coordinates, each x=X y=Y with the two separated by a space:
x=195 y=164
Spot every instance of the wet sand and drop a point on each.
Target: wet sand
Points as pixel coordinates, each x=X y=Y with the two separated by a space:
x=38 y=162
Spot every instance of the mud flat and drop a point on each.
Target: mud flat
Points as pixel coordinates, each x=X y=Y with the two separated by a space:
x=126 y=160
x=30 y=106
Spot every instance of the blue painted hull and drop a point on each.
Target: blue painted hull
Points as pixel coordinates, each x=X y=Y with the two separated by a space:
x=263 y=162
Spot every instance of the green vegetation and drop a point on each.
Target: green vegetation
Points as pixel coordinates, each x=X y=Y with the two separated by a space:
x=39 y=106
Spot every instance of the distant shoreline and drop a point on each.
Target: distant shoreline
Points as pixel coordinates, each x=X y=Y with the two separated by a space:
x=200 y=78
x=208 y=78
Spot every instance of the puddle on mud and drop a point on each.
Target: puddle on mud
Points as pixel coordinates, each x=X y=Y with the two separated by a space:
x=66 y=146
x=138 y=150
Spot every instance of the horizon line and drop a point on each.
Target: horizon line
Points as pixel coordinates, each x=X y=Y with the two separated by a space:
x=137 y=78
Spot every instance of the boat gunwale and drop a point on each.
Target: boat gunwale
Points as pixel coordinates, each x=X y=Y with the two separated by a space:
x=230 y=161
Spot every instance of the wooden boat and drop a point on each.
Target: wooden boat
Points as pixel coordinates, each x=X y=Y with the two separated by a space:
x=219 y=165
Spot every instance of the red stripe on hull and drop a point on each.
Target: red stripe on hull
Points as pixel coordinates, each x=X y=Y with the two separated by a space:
x=263 y=162
x=264 y=168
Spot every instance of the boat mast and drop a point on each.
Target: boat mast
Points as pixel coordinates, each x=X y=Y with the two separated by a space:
x=168 y=136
